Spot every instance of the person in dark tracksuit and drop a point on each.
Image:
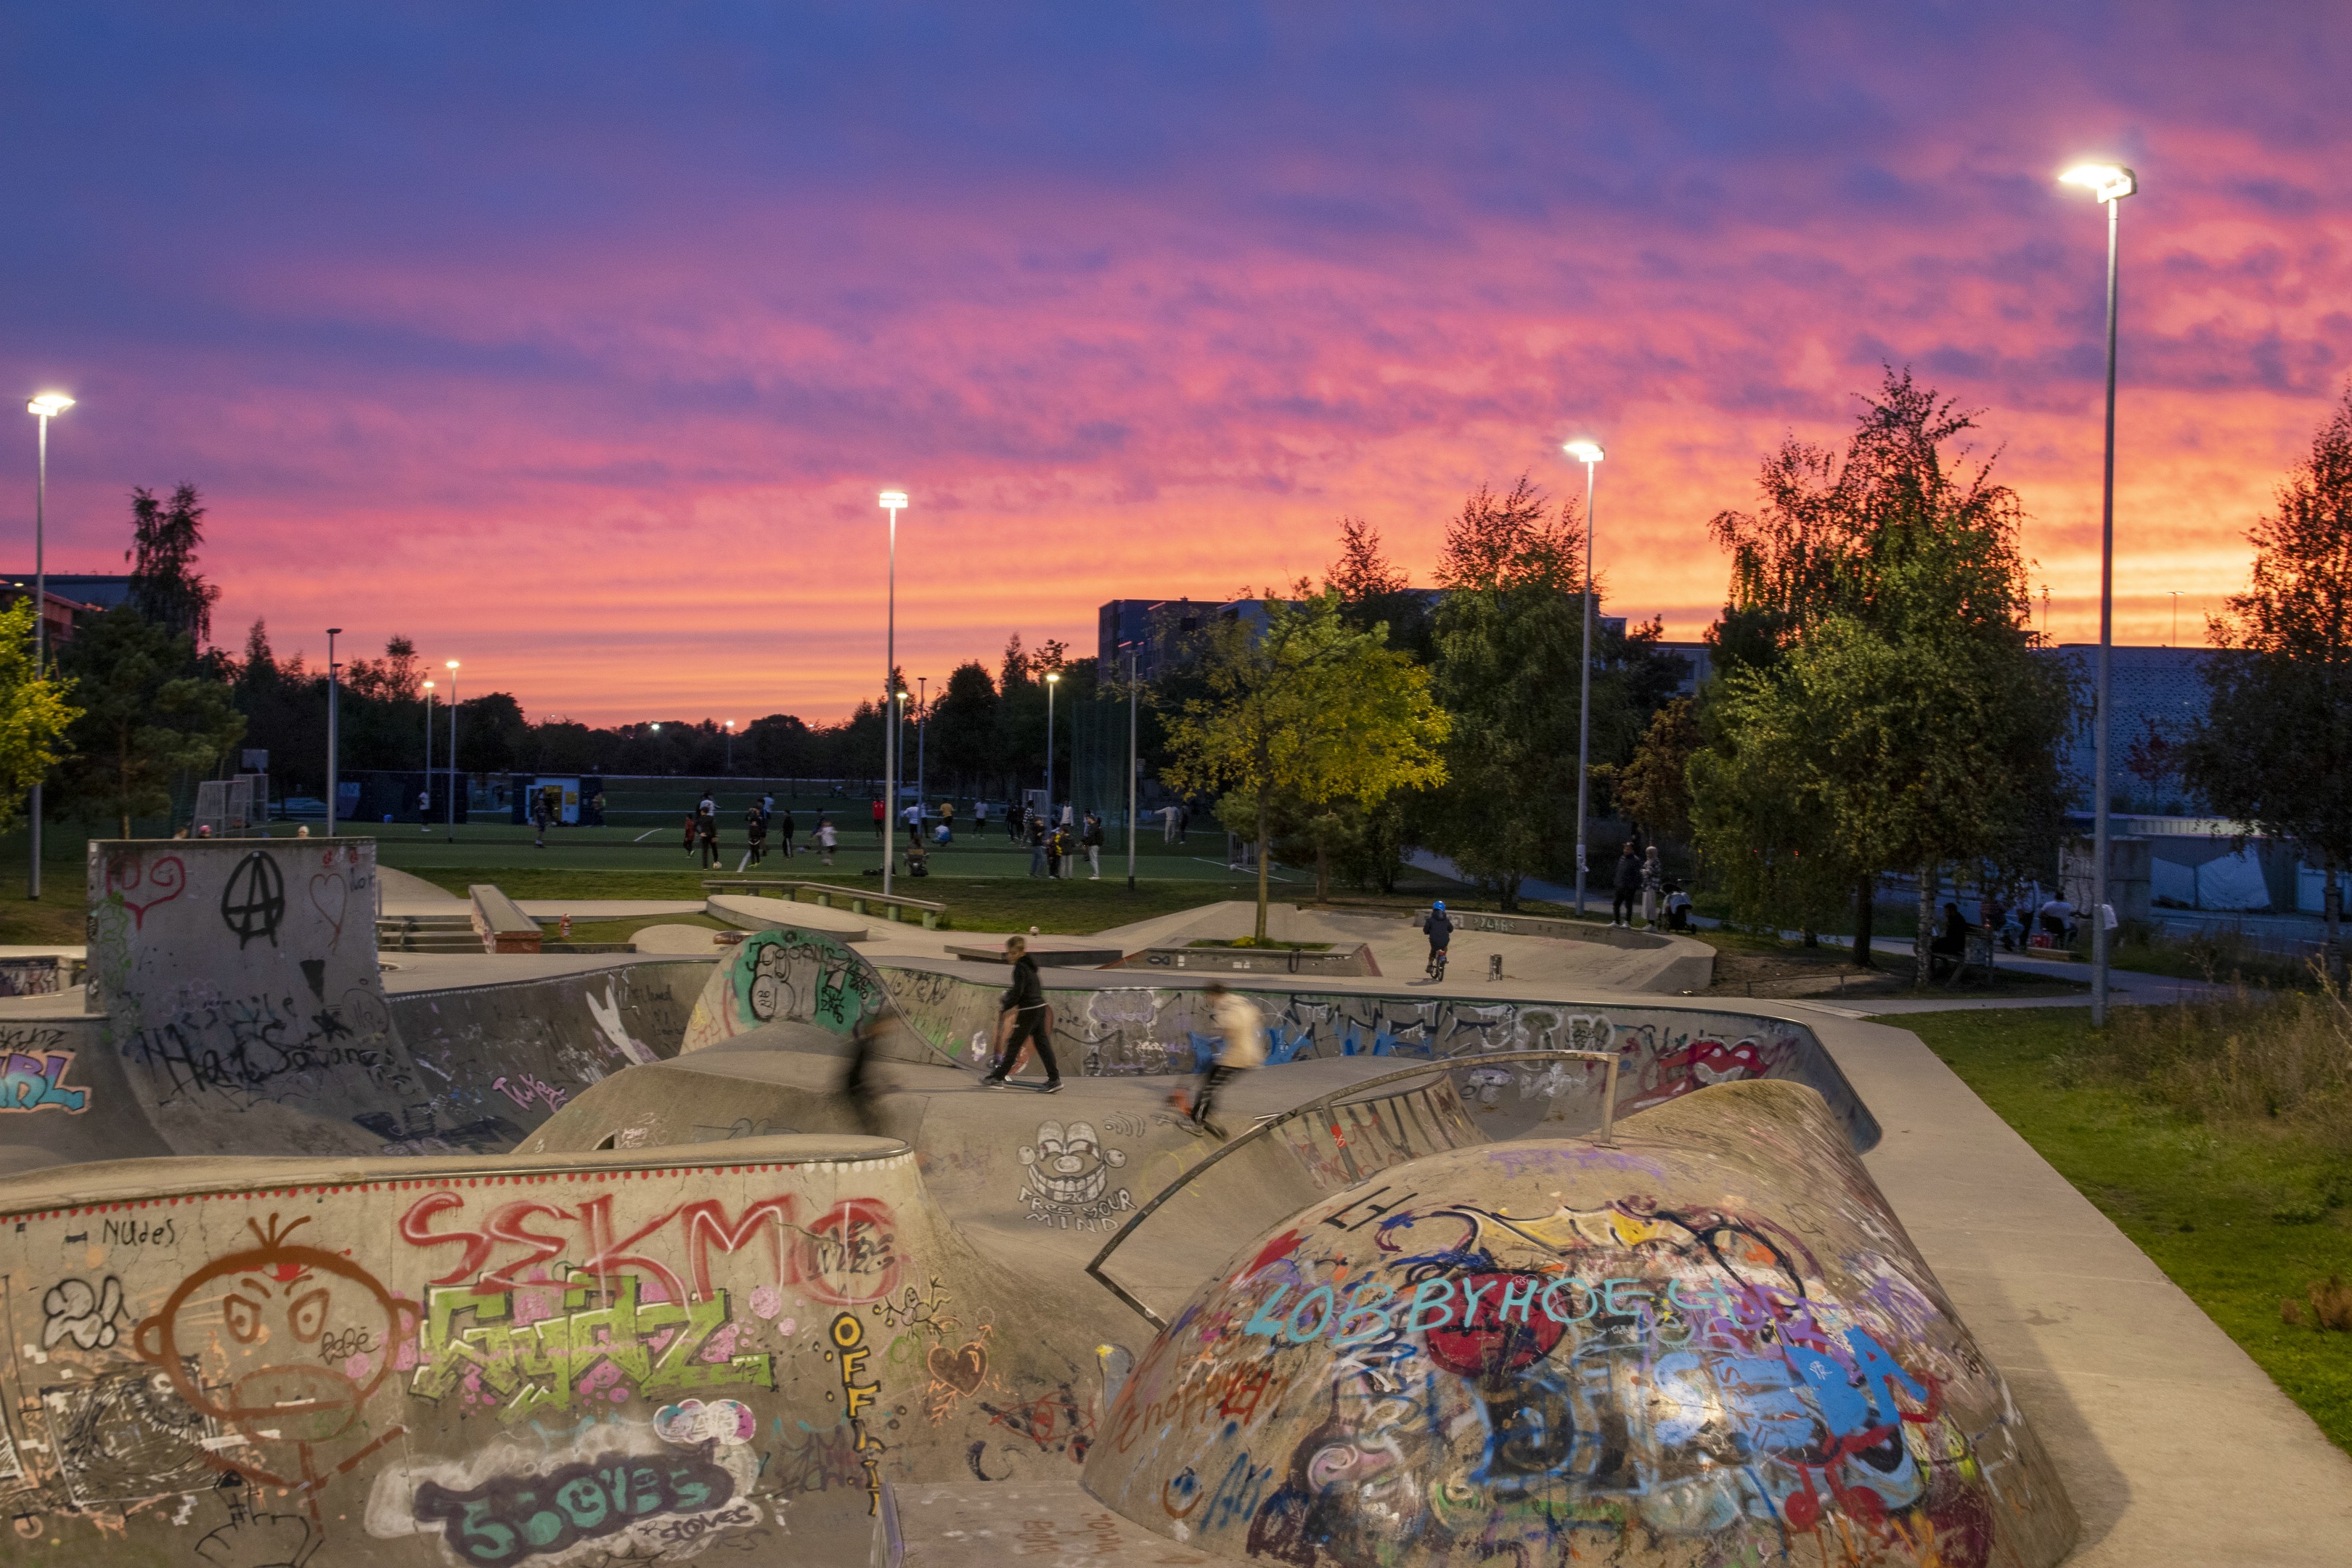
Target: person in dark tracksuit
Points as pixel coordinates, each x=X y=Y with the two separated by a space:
x=1025 y=1020
x=1628 y=885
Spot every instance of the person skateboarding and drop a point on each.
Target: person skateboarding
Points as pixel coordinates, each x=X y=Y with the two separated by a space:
x=857 y=1090
x=1241 y=1045
x=1025 y=1020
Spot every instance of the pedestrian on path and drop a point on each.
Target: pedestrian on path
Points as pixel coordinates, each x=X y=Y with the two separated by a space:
x=1628 y=886
x=1241 y=1046
x=1025 y=1020
x=825 y=838
x=1036 y=846
x=1092 y=839
x=1653 y=882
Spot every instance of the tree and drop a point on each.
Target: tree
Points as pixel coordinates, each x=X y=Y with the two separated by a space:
x=1508 y=642
x=1885 y=709
x=1306 y=712
x=1654 y=787
x=165 y=587
x=34 y=713
x=2275 y=748
x=146 y=721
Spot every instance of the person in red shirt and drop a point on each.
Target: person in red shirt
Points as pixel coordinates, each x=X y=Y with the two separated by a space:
x=877 y=818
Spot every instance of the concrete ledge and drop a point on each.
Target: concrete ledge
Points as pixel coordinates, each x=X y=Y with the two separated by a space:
x=784 y=914
x=1046 y=957
x=1342 y=961
x=499 y=921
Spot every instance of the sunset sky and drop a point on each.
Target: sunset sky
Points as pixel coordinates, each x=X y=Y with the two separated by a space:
x=575 y=340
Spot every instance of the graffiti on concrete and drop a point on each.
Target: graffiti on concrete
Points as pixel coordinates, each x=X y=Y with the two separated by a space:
x=38 y=1083
x=790 y=976
x=136 y=884
x=1120 y=1029
x=844 y=1256
x=256 y=1316
x=1066 y=1178
x=850 y=1351
x=1497 y=1363
x=253 y=900
x=91 y=1316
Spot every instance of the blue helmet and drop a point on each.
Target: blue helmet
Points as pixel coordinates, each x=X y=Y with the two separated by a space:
x=1440 y=905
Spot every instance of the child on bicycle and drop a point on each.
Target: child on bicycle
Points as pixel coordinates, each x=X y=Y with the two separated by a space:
x=1440 y=928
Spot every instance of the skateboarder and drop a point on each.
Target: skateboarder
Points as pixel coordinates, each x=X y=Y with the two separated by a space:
x=1025 y=1020
x=1241 y=1045
x=857 y=1090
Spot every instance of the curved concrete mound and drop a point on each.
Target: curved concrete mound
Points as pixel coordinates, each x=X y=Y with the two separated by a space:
x=1708 y=1343
x=479 y=1362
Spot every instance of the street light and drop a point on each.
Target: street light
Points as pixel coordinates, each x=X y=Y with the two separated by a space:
x=893 y=502
x=730 y=745
x=424 y=806
x=1589 y=453
x=1131 y=769
x=45 y=408
x=1052 y=678
x=334 y=732
x=2111 y=184
x=2175 y=617
x=453 y=750
x=922 y=736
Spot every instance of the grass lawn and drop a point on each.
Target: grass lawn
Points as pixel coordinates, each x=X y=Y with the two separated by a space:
x=2239 y=1215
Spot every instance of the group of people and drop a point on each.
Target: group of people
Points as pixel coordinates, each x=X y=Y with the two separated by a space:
x=1055 y=848
x=1025 y=1023
x=760 y=819
x=1642 y=881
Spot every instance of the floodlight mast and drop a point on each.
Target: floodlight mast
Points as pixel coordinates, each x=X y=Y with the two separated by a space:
x=1589 y=453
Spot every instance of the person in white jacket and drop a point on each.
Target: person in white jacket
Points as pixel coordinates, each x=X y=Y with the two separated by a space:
x=1241 y=1045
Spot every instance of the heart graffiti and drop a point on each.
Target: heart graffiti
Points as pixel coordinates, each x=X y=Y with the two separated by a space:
x=962 y=1370
x=161 y=881
x=331 y=896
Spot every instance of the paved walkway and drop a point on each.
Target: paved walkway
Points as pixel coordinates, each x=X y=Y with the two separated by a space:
x=2175 y=1448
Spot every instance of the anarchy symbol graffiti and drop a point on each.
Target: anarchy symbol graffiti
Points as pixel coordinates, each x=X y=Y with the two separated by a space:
x=254 y=902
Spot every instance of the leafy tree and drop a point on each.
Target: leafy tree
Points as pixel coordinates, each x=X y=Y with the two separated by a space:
x=35 y=713
x=1653 y=788
x=2275 y=748
x=964 y=726
x=147 y=721
x=1374 y=592
x=1306 y=712
x=165 y=587
x=1508 y=641
x=1884 y=710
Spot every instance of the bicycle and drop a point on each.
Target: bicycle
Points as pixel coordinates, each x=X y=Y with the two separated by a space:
x=1437 y=964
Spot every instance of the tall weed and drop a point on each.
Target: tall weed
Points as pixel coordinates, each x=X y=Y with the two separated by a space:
x=2242 y=1055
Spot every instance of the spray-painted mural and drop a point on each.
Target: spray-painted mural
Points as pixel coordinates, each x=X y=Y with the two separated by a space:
x=541 y=1366
x=787 y=975
x=1114 y=1029
x=1555 y=1351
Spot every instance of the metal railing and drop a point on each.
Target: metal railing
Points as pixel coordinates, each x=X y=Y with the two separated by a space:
x=1355 y=1174
x=826 y=892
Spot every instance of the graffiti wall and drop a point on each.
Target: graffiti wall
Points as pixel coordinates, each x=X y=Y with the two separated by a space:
x=483 y=1367
x=1552 y=1350
x=240 y=987
x=1115 y=1028
x=245 y=1013
x=788 y=975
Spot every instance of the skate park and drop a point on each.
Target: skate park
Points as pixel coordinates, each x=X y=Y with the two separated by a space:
x=324 y=1255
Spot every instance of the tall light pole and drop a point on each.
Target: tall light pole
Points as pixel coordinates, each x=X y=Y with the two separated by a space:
x=893 y=502
x=453 y=750
x=1589 y=453
x=1131 y=770
x=922 y=737
x=424 y=807
x=2175 y=617
x=730 y=746
x=2110 y=183
x=44 y=408
x=1052 y=678
x=335 y=720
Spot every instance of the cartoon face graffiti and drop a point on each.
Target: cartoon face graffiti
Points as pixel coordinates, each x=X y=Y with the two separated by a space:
x=244 y=1340
x=1069 y=1166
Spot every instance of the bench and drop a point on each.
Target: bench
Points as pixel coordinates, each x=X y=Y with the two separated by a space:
x=823 y=893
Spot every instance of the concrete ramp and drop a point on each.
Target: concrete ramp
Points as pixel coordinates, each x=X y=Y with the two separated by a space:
x=498 y=1360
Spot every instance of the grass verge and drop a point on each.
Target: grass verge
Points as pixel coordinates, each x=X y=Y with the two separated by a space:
x=2243 y=1212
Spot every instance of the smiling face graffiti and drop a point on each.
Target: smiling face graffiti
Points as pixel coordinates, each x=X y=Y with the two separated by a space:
x=242 y=1341
x=1068 y=1183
